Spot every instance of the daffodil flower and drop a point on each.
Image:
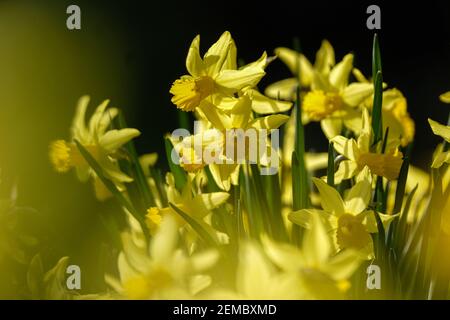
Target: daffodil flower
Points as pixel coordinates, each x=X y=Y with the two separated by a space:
x=197 y=205
x=216 y=140
x=441 y=156
x=333 y=101
x=348 y=221
x=359 y=155
x=322 y=273
x=216 y=75
x=395 y=114
x=103 y=145
x=161 y=270
x=286 y=89
x=273 y=271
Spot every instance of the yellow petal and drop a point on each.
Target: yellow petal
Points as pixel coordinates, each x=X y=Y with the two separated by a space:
x=214 y=199
x=331 y=127
x=293 y=61
x=359 y=75
x=114 y=139
x=330 y=199
x=269 y=122
x=343 y=265
x=235 y=80
x=97 y=116
x=217 y=54
x=355 y=93
x=316 y=243
x=445 y=97
x=304 y=218
x=358 y=197
x=347 y=169
x=346 y=147
x=194 y=63
x=264 y=105
x=283 y=89
x=325 y=59
x=78 y=128
x=440 y=130
x=340 y=73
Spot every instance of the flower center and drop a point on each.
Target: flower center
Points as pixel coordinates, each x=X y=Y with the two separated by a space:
x=386 y=165
x=319 y=105
x=351 y=233
x=188 y=92
x=65 y=155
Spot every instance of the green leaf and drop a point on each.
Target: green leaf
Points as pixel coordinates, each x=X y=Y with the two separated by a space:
x=377 y=121
x=123 y=201
x=136 y=169
x=330 y=168
x=183 y=120
x=205 y=231
x=376 y=57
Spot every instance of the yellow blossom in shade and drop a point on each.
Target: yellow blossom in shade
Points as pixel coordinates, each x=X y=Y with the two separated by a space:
x=318 y=104
x=348 y=220
x=161 y=270
x=440 y=156
x=286 y=89
x=196 y=205
x=395 y=116
x=333 y=100
x=215 y=75
x=101 y=143
x=359 y=155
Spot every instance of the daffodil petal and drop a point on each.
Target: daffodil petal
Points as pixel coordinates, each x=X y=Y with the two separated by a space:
x=283 y=89
x=237 y=79
x=114 y=139
x=194 y=63
x=265 y=105
x=347 y=169
x=440 y=129
x=355 y=93
x=358 y=197
x=445 y=97
x=340 y=73
x=269 y=122
x=346 y=147
x=330 y=199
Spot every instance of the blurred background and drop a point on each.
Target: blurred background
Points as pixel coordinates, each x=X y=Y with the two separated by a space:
x=131 y=51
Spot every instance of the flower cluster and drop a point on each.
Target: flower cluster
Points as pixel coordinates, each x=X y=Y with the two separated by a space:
x=222 y=230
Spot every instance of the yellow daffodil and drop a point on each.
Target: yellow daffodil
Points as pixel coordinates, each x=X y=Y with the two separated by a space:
x=441 y=156
x=359 y=155
x=216 y=76
x=161 y=270
x=322 y=273
x=102 y=143
x=348 y=221
x=333 y=101
x=286 y=89
x=197 y=205
x=215 y=141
